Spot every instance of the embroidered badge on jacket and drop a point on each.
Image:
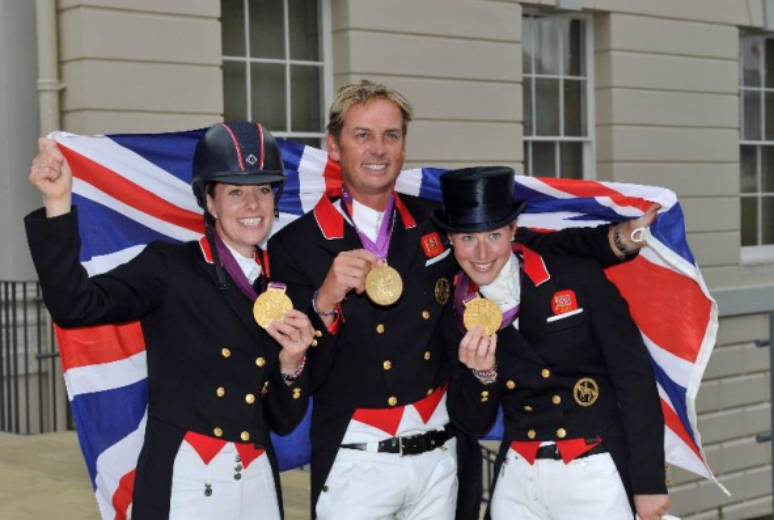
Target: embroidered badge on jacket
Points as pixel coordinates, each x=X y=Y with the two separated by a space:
x=432 y=245
x=564 y=302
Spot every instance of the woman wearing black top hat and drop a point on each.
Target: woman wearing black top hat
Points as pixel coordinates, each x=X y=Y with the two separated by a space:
x=218 y=382
x=551 y=339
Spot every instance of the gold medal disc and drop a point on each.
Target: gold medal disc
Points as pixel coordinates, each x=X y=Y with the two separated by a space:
x=384 y=285
x=271 y=305
x=483 y=313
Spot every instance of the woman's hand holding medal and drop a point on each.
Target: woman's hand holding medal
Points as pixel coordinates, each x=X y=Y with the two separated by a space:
x=294 y=334
x=477 y=350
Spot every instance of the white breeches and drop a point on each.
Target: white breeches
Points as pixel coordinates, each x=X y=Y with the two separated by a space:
x=385 y=486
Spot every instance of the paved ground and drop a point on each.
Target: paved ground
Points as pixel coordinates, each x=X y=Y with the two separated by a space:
x=44 y=477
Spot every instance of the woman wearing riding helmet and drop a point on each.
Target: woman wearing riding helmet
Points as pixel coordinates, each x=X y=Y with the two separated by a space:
x=218 y=382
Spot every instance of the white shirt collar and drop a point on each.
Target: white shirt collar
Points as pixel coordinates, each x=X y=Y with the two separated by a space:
x=367 y=220
x=505 y=289
x=249 y=266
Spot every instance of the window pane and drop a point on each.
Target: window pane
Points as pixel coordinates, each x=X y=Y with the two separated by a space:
x=267 y=29
x=529 y=128
x=232 y=19
x=769 y=58
x=767 y=169
x=543 y=159
x=234 y=91
x=306 y=114
x=749 y=221
x=268 y=95
x=768 y=116
x=751 y=54
x=752 y=116
x=767 y=220
x=527 y=159
x=748 y=165
x=575 y=108
x=527 y=44
x=547 y=46
x=547 y=106
x=304 y=39
x=573 y=38
x=572 y=160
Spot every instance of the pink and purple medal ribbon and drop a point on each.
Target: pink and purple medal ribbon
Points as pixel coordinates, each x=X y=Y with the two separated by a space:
x=382 y=244
x=232 y=268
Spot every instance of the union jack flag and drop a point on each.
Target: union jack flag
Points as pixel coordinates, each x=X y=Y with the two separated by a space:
x=135 y=188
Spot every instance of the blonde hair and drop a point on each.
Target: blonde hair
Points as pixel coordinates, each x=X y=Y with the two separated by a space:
x=362 y=93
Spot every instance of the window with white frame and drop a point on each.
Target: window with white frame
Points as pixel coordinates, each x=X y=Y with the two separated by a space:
x=756 y=188
x=558 y=126
x=276 y=65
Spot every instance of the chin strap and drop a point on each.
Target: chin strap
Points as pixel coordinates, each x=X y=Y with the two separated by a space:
x=209 y=231
x=277 y=194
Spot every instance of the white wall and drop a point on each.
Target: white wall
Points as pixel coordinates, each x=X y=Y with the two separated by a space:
x=18 y=133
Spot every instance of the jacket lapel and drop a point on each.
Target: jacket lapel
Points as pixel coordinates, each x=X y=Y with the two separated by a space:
x=237 y=301
x=536 y=301
x=404 y=243
x=338 y=235
x=536 y=290
x=513 y=340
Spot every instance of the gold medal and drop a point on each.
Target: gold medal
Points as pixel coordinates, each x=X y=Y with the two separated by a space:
x=481 y=312
x=586 y=391
x=384 y=285
x=271 y=305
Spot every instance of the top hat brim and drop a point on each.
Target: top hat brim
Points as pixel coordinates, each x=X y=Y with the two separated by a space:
x=469 y=223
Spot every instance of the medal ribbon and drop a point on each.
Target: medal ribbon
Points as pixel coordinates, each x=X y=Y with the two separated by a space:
x=467 y=291
x=232 y=268
x=382 y=244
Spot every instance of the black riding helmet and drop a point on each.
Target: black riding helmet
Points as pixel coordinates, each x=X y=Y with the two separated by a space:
x=237 y=153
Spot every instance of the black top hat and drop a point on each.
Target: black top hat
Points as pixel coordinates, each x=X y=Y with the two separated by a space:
x=236 y=153
x=477 y=199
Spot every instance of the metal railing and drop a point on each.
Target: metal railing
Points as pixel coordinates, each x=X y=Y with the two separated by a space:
x=488 y=456
x=32 y=399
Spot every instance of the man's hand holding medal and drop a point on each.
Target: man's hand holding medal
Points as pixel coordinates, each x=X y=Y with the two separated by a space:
x=361 y=271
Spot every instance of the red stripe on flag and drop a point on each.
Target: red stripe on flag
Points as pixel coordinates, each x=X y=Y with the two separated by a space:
x=595 y=189
x=668 y=307
x=122 y=498
x=672 y=421
x=85 y=346
x=130 y=193
x=332 y=176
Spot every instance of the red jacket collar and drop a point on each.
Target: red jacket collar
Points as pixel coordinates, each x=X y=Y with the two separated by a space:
x=534 y=265
x=331 y=221
x=204 y=244
x=261 y=257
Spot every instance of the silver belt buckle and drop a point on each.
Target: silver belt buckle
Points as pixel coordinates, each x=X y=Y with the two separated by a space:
x=409 y=437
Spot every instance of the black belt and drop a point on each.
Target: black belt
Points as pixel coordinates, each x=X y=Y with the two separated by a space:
x=409 y=444
x=551 y=452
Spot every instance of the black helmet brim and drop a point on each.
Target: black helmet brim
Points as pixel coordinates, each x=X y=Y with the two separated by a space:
x=248 y=176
